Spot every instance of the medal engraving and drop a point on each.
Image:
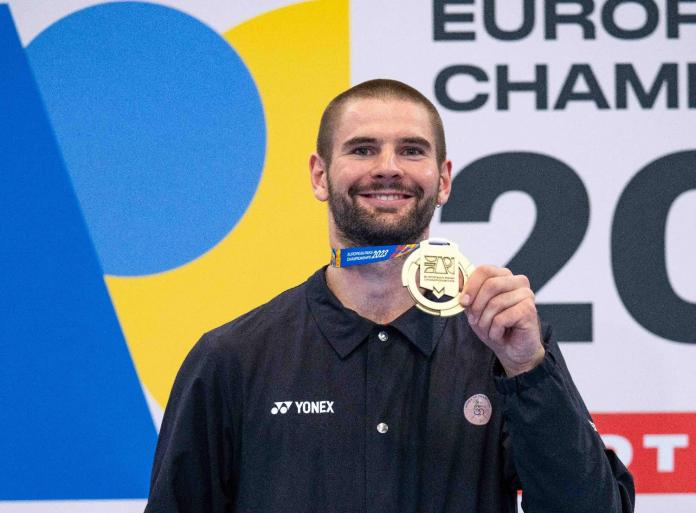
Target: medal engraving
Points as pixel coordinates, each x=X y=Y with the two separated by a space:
x=437 y=265
x=439 y=271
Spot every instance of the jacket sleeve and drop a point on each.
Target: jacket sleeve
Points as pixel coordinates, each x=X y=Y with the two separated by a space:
x=551 y=443
x=193 y=461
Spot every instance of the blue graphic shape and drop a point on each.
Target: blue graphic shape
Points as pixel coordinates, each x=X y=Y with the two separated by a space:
x=160 y=125
x=73 y=420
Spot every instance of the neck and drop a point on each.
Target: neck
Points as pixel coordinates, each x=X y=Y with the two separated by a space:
x=374 y=291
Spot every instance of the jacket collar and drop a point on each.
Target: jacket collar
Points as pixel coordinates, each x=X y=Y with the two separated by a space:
x=345 y=330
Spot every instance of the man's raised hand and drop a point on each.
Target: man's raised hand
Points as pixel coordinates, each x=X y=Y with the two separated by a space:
x=501 y=311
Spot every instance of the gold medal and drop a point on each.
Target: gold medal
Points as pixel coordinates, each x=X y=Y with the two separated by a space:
x=435 y=266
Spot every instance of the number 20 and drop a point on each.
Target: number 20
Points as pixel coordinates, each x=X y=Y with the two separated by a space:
x=637 y=237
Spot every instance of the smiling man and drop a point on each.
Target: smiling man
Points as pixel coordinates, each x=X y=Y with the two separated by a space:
x=341 y=396
x=373 y=201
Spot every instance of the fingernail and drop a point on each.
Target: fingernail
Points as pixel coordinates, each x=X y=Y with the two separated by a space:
x=466 y=299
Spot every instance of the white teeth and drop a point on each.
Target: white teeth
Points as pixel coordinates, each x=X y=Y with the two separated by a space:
x=388 y=197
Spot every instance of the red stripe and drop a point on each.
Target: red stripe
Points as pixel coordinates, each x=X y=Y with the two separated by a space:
x=661 y=447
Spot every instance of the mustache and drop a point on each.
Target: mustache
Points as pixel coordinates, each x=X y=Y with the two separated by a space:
x=386 y=186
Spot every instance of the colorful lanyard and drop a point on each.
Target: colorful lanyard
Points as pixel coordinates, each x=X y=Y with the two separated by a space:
x=347 y=257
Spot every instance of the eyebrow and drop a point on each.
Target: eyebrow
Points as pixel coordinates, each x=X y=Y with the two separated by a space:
x=418 y=141
x=357 y=141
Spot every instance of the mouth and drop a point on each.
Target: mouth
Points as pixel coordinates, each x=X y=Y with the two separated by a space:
x=386 y=196
x=386 y=201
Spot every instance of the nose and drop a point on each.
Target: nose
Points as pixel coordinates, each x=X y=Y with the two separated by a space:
x=387 y=165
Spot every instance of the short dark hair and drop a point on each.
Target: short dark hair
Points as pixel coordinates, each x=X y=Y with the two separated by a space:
x=384 y=89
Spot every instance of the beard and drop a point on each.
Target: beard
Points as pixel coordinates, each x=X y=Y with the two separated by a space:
x=362 y=227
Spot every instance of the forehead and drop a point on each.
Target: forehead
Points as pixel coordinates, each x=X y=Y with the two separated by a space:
x=383 y=118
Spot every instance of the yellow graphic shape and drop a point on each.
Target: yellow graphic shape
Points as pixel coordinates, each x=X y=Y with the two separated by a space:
x=299 y=58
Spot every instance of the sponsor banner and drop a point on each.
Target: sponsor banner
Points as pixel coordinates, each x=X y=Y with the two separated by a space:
x=659 y=448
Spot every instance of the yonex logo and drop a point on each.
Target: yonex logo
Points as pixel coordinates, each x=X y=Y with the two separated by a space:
x=303 y=407
x=281 y=407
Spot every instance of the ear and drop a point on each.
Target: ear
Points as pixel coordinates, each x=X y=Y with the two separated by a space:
x=317 y=173
x=445 y=186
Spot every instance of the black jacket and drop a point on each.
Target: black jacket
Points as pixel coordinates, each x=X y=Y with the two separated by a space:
x=304 y=406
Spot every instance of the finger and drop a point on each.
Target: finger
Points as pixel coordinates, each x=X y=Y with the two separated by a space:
x=477 y=278
x=492 y=287
x=501 y=302
x=522 y=315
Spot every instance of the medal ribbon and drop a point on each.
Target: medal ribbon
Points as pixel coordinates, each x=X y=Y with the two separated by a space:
x=347 y=257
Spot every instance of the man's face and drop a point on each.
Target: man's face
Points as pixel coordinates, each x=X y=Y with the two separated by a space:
x=384 y=181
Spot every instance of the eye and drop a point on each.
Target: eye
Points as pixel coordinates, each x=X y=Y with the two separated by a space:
x=363 y=151
x=412 y=151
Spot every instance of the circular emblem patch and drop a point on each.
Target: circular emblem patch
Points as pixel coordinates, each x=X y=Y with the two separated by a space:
x=478 y=409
